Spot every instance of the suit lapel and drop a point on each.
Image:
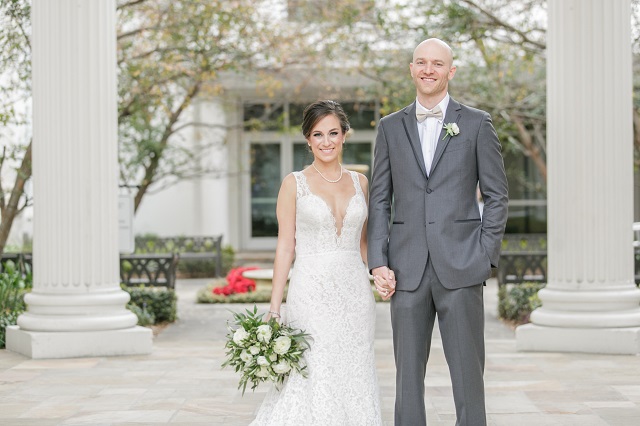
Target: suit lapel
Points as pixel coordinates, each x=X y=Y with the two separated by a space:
x=410 y=124
x=453 y=111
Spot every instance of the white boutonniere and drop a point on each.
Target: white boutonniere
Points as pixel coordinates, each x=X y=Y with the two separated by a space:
x=452 y=130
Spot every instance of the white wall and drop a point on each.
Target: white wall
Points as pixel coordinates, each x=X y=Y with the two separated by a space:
x=196 y=206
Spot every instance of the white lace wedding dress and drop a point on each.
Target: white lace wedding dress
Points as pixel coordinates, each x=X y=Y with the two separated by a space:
x=330 y=298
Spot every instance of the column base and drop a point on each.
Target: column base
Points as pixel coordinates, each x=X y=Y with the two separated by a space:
x=75 y=344
x=537 y=338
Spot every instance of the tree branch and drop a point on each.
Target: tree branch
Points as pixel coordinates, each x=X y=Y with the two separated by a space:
x=525 y=38
x=636 y=135
x=22 y=31
x=136 y=31
x=2 y=200
x=207 y=126
x=129 y=4
x=27 y=202
x=155 y=159
x=11 y=210
x=531 y=150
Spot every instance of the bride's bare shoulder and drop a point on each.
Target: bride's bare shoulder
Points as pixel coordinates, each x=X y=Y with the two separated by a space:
x=289 y=182
x=364 y=182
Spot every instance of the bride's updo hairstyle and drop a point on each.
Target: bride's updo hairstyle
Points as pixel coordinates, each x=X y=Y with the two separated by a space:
x=319 y=110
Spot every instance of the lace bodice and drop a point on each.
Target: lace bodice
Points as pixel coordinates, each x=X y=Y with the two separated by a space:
x=316 y=228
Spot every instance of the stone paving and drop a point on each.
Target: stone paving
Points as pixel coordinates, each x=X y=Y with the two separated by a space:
x=182 y=383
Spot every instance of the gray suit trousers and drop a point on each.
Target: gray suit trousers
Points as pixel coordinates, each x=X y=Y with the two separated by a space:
x=460 y=314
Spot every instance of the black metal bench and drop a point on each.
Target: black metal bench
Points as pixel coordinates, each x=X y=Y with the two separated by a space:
x=206 y=248
x=523 y=259
x=154 y=269
x=157 y=270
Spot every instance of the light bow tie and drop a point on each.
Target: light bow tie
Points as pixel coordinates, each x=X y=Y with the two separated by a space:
x=436 y=112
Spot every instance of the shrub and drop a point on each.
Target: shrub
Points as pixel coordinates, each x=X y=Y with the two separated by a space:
x=206 y=268
x=228 y=258
x=206 y=294
x=157 y=304
x=515 y=303
x=198 y=268
x=145 y=317
x=236 y=283
x=13 y=286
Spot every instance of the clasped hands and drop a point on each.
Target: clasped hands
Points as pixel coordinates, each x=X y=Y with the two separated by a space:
x=385 y=281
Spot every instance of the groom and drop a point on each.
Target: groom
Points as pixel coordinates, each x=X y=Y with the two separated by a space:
x=425 y=226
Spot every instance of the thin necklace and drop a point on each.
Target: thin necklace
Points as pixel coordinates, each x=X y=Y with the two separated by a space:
x=322 y=176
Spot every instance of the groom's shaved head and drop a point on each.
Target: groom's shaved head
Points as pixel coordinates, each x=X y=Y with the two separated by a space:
x=435 y=42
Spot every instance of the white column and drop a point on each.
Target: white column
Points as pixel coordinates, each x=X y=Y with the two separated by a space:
x=591 y=303
x=76 y=307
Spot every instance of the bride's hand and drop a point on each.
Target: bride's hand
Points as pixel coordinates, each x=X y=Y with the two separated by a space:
x=273 y=314
x=385 y=287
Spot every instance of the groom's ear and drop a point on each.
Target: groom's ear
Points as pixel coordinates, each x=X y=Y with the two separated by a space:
x=452 y=72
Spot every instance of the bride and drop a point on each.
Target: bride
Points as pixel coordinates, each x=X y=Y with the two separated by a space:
x=321 y=212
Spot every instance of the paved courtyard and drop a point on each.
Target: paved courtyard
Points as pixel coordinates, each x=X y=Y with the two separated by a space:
x=181 y=381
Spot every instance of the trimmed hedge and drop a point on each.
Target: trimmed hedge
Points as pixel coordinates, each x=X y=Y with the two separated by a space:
x=206 y=295
x=13 y=286
x=516 y=302
x=204 y=268
x=152 y=305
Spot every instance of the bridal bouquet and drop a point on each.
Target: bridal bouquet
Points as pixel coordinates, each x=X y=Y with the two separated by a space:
x=263 y=350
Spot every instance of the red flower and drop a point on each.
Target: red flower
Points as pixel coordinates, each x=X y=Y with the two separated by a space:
x=236 y=283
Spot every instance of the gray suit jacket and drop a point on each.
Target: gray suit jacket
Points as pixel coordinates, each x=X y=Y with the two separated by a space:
x=437 y=214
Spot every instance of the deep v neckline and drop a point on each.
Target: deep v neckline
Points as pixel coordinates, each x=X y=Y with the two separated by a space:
x=324 y=202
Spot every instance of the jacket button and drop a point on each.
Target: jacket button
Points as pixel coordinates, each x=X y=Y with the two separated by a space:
x=429 y=190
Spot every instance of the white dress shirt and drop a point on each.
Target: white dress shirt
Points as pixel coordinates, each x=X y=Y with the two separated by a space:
x=429 y=131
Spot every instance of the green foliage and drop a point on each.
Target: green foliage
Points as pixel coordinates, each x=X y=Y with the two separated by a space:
x=260 y=295
x=206 y=295
x=206 y=268
x=15 y=58
x=169 y=54
x=264 y=350
x=153 y=304
x=228 y=259
x=516 y=302
x=13 y=286
x=145 y=316
x=197 y=268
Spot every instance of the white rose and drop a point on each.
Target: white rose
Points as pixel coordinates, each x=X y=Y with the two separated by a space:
x=455 y=129
x=255 y=350
x=245 y=356
x=264 y=333
x=281 y=345
x=262 y=360
x=263 y=372
x=273 y=357
x=240 y=335
x=282 y=367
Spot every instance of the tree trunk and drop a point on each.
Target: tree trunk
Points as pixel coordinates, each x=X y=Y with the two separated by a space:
x=150 y=170
x=636 y=137
x=531 y=150
x=11 y=210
